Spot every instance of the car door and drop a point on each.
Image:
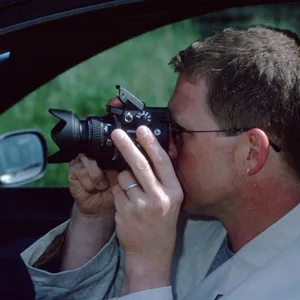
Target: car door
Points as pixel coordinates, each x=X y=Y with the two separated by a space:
x=49 y=50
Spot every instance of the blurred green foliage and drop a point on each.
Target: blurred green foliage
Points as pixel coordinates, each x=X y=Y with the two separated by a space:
x=140 y=65
x=277 y=15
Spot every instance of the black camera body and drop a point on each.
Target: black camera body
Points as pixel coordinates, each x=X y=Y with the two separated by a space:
x=92 y=136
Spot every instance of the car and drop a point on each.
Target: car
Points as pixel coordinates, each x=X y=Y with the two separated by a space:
x=23 y=157
x=53 y=53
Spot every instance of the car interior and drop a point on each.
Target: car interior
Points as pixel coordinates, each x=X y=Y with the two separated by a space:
x=71 y=55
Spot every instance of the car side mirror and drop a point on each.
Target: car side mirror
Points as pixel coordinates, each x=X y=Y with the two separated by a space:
x=23 y=157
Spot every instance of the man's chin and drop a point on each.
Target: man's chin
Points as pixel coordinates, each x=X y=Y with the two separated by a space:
x=189 y=209
x=199 y=211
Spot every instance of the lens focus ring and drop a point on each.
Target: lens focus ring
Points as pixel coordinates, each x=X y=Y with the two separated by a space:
x=96 y=139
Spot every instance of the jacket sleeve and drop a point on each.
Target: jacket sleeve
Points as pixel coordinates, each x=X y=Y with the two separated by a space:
x=163 y=293
x=100 y=278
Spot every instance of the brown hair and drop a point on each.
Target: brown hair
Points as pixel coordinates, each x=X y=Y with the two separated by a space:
x=253 y=78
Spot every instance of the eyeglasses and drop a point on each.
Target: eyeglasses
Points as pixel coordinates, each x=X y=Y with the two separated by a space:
x=176 y=130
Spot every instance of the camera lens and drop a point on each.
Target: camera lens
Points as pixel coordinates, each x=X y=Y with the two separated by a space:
x=90 y=136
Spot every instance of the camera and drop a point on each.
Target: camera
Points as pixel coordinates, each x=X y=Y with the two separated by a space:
x=92 y=136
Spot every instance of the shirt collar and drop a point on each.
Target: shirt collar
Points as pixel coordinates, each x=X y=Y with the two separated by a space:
x=260 y=250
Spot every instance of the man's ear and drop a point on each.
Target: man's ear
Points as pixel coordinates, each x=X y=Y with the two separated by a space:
x=257 y=150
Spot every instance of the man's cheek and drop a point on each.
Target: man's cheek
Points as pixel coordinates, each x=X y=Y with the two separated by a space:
x=172 y=152
x=189 y=161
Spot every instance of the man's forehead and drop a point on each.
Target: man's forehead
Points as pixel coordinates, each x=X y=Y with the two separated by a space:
x=185 y=79
x=188 y=90
x=187 y=100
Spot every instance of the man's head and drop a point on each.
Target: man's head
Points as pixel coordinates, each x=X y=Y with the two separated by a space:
x=237 y=79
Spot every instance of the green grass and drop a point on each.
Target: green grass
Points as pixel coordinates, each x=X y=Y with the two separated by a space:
x=140 y=65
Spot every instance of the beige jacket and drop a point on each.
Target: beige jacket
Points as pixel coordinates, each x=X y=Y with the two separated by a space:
x=267 y=268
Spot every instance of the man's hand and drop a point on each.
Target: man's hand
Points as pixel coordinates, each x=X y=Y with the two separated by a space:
x=90 y=187
x=93 y=218
x=146 y=215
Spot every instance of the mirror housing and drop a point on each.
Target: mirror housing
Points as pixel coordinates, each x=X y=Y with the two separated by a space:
x=23 y=157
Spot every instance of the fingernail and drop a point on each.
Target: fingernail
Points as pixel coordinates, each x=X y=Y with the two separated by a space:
x=118 y=133
x=144 y=131
x=80 y=156
x=102 y=186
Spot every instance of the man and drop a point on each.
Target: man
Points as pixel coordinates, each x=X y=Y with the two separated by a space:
x=235 y=172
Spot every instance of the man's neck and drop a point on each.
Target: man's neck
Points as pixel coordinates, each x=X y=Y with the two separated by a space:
x=256 y=211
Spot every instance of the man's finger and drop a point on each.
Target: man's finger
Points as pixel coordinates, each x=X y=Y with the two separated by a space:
x=159 y=158
x=112 y=176
x=96 y=174
x=115 y=102
x=78 y=173
x=127 y=181
x=121 y=200
x=136 y=160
